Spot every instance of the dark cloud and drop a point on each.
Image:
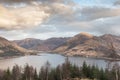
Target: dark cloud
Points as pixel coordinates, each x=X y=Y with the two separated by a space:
x=99 y=12
x=117 y=2
x=29 y=1
x=26 y=1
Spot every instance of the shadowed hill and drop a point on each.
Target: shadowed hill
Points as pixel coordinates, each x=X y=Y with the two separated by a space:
x=8 y=48
x=41 y=45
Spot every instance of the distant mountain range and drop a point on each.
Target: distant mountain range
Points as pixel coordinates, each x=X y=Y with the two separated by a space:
x=82 y=44
x=85 y=44
x=8 y=48
x=41 y=45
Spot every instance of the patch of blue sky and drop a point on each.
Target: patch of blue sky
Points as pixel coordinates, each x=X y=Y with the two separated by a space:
x=104 y=3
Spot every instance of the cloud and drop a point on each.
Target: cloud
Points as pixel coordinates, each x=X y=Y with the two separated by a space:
x=32 y=14
x=17 y=18
x=108 y=26
x=99 y=26
x=91 y=13
x=62 y=9
x=117 y=2
x=27 y=1
x=99 y=20
x=70 y=14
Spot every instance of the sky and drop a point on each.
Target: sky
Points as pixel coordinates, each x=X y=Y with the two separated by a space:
x=44 y=19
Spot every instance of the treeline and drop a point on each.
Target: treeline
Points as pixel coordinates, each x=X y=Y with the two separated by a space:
x=66 y=71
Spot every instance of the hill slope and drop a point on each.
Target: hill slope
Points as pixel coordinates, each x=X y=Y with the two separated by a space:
x=41 y=45
x=28 y=43
x=8 y=48
x=85 y=44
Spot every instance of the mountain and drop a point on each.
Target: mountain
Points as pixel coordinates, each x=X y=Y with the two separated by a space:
x=8 y=48
x=28 y=43
x=85 y=44
x=41 y=45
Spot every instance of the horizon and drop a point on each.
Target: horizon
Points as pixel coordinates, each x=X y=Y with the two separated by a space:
x=44 y=19
x=59 y=36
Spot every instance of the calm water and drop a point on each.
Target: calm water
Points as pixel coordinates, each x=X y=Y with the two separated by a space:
x=54 y=59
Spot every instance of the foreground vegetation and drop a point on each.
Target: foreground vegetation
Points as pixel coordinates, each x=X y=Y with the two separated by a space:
x=66 y=71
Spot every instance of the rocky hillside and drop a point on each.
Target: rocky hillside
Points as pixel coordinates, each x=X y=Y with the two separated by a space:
x=85 y=44
x=29 y=43
x=8 y=48
x=41 y=45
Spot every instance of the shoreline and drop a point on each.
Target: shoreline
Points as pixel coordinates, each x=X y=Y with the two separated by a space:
x=46 y=52
x=94 y=57
x=9 y=57
x=102 y=58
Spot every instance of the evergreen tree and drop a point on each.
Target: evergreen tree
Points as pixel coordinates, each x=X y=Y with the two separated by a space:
x=67 y=71
x=7 y=75
x=35 y=75
x=84 y=69
x=16 y=73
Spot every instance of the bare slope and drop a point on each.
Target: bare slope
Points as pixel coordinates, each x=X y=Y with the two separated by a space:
x=41 y=45
x=8 y=48
x=85 y=44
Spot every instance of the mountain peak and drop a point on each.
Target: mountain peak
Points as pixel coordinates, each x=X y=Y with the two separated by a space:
x=85 y=34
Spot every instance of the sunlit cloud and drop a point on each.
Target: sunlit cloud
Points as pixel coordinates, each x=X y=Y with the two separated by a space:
x=17 y=18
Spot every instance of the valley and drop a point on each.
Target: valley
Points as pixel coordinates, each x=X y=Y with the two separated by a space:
x=84 y=44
